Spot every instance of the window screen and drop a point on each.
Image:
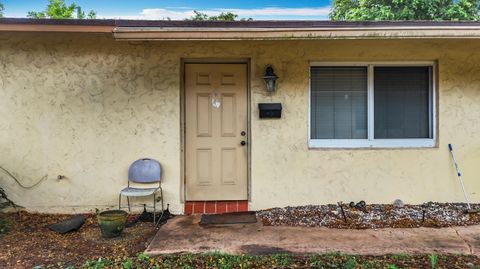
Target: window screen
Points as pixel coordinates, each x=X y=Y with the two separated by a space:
x=338 y=102
x=401 y=102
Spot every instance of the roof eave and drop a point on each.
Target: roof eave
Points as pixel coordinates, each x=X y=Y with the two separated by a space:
x=56 y=28
x=247 y=30
x=203 y=33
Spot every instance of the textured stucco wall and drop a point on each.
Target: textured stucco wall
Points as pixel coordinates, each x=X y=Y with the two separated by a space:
x=86 y=106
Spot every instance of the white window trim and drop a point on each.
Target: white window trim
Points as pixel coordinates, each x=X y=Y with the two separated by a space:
x=370 y=142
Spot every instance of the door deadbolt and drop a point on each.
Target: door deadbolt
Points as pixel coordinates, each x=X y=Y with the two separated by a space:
x=243 y=133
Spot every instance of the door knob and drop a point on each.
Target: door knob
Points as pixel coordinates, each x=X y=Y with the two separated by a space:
x=243 y=143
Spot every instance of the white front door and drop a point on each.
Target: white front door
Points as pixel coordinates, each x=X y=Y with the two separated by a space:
x=216 y=126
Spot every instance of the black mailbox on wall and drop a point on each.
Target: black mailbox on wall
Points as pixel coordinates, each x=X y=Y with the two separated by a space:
x=270 y=111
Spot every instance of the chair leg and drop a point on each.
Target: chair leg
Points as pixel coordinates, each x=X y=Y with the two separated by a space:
x=154 y=209
x=128 y=202
x=119 y=201
x=163 y=209
x=161 y=193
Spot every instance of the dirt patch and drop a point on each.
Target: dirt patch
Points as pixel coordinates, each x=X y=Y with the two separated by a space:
x=29 y=243
x=373 y=216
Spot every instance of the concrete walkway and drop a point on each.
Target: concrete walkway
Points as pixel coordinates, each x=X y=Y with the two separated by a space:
x=183 y=234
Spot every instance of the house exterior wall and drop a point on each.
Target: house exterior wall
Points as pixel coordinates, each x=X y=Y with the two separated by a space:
x=86 y=106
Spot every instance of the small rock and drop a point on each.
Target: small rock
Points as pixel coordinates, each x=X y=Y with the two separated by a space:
x=398 y=203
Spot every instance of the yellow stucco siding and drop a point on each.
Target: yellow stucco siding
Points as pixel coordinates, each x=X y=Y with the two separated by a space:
x=86 y=106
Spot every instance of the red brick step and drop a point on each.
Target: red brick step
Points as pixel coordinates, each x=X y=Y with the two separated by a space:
x=215 y=207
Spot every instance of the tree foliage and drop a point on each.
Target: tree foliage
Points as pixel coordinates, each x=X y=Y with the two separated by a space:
x=81 y=14
x=1 y=10
x=351 y=10
x=224 y=16
x=58 y=9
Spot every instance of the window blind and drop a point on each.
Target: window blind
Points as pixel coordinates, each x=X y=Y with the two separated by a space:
x=401 y=102
x=338 y=102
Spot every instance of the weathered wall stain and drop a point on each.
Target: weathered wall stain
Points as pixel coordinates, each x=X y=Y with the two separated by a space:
x=86 y=106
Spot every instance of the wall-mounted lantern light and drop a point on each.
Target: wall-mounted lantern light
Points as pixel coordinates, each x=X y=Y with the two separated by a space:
x=270 y=78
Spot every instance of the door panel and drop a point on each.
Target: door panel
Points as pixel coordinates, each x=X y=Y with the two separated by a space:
x=204 y=167
x=229 y=165
x=228 y=114
x=204 y=115
x=215 y=116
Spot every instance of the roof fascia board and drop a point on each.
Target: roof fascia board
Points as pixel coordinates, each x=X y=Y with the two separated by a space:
x=56 y=28
x=270 y=29
x=190 y=33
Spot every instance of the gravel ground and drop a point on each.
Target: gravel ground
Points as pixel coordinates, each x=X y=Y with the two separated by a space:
x=373 y=216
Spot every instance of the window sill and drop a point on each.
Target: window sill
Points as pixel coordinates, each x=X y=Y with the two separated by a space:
x=377 y=143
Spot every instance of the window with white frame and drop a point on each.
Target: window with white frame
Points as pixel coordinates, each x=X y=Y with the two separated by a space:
x=372 y=105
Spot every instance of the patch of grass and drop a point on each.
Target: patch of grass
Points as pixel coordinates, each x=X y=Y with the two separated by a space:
x=350 y=263
x=433 y=260
x=127 y=264
x=186 y=262
x=400 y=256
x=143 y=257
x=332 y=260
x=97 y=264
x=370 y=265
x=314 y=261
x=340 y=260
x=282 y=260
x=225 y=261
x=329 y=260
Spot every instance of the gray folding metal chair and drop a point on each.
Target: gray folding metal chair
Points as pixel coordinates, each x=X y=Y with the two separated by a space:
x=143 y=171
